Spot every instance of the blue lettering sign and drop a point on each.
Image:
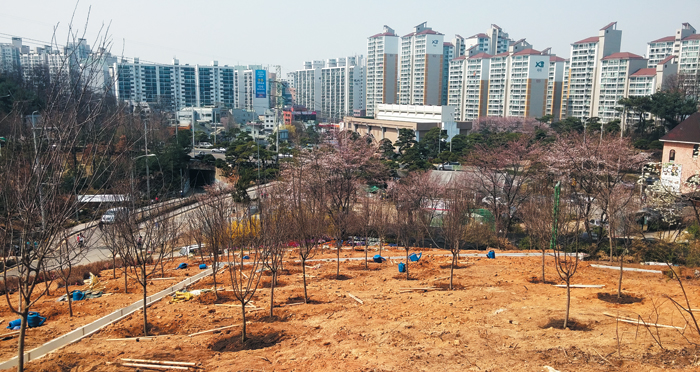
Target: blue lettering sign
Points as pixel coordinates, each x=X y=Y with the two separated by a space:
x=539 y=64
x=260 y=84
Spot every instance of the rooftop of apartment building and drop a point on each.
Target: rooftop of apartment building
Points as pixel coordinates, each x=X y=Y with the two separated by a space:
x=645 y=72
x=623 y=55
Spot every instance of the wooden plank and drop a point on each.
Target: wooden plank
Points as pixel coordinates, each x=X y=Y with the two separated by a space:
x=580 y=285
x=159 y=362
x=355 y=298
x=640 y=322
x=163 y=278
x=152 y=366
x=130 y=339
x=214 y=330
x=294 y=304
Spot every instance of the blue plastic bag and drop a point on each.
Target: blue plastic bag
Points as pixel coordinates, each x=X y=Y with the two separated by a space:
x=491 y=254
x=202 y=266
x=182 y=266
x=78 y=295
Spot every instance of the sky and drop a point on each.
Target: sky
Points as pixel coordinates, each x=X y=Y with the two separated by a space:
x=287 y=33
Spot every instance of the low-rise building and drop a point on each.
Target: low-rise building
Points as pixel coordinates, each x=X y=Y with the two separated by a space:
x=680 y=170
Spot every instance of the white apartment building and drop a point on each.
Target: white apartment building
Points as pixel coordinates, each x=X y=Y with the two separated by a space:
x=494 y=41
x=10 y=56
x=527 y=84
x=176 y=86
x=333 y=88
x=660 y=49
x=582 y=88
x=382 y=69
x=555 y=82
x=448 y=53
x=420 y=79
x=615 y=71
x=499 y=78
x=468 y=86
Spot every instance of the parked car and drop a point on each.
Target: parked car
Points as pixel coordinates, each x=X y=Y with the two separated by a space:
x=113 y=213
x=219 y=150
x=449 y=166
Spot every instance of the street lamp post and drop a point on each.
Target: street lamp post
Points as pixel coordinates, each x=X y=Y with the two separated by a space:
x=148 y=188
x=36 y=164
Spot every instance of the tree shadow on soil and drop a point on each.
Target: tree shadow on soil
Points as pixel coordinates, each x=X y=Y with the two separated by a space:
x=298 y=299
x=446 y=285
x=402 y=276
x=273 y=319
x=232 y=342
x=337 y=277
x=266 y=283
x=361 y=267
x=624 y=300
x=574 y=325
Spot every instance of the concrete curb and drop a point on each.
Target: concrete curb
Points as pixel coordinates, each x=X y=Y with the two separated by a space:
x=627 y=269
x=98 y=324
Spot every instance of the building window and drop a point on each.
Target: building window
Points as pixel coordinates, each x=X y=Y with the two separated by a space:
x=672 y=156
x=696 y=150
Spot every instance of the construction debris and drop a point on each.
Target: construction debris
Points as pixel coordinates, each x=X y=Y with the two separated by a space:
x=214 y=330
x=640 y=322
x=152 y=366
x=181 y=297
x=580 y=285
x=93 y=284
x=355 y=298
x=160 y=362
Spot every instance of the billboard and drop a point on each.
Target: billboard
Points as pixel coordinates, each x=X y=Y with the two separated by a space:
x=671 y=176
x=260 y=84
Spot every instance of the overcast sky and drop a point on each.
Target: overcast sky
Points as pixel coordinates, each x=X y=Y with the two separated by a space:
x=291 y=32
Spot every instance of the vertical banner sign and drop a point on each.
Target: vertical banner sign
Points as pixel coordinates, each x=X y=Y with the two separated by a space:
x=260 y=83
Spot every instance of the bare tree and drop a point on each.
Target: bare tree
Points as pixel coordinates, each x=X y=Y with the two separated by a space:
x=214 y=216
x=410 y=196
x=274 y=231
x=38 y=201
x=68 y=253
x=503 y=174
x=306 y=212
x=141 y=245
x=537 y=218
x=246 y=235
x=565 y=244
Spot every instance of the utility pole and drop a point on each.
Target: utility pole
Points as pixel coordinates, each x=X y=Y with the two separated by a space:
x=37 y=165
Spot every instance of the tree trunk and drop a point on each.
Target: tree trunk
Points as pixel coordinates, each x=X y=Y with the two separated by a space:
x=70 y=300
x=243 y=337
x=114 y=264
x=619 y=281
x=568 y=303
x=337 y=269
x=380 y=246
x=543 y=255
x=145 y=319
x=126 y=281
x=272 y=292
x=366 y=250
x=22 y=334
x=303 y=276
x=406 y=263
x=610 y=237
x=452 y=269
x=215 y=260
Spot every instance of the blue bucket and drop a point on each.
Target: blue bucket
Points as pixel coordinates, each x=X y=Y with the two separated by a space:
x=246 y=257
x=491 y=254
x=202 y=266
x=78 y=295
x=402 y=267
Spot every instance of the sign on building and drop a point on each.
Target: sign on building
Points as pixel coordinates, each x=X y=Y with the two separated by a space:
x=260 y=84
x=671 y=176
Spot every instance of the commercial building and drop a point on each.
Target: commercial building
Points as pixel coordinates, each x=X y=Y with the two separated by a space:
x=420 y=78
x=390 y=118
x=382 y=69
x=333 y=88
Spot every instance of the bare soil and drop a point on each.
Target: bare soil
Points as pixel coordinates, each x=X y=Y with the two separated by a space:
x=497 y=319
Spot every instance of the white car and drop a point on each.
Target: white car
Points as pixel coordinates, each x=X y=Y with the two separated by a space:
x=111 y=214
x=220 y=150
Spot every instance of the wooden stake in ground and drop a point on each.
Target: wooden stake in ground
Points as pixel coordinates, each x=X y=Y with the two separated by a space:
x=152 y=366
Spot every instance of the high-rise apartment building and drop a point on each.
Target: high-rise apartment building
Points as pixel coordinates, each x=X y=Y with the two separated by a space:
x=334 y=88
x=420 y=81
x=583 y=86
x=555 y=82
x=494 y=41
x=382 y=69
x=448 y=53
x=469 y=85
x=615 y=72
x=176 y=86
x=10 y=56
x=660 y=49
